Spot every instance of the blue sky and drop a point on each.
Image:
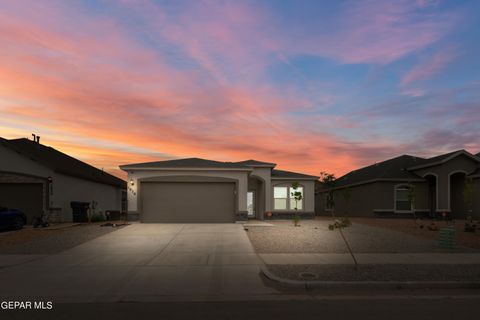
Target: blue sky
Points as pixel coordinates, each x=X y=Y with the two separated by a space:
x=312 y=85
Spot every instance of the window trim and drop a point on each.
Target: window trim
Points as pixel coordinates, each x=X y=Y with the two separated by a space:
x=289 y=198
x=396 y=188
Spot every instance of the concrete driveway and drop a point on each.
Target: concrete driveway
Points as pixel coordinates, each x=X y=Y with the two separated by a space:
x=144 y=262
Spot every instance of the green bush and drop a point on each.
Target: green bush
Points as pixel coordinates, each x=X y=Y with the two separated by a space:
x=97 y=218
x=340 y=223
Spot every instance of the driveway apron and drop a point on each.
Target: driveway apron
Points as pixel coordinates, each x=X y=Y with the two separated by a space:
x=144 y=262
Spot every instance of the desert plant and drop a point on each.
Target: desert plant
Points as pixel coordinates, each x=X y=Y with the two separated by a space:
x=328 y=179
x=340 y=223
x=297 y=196
x=433 y=227
x=296 y=220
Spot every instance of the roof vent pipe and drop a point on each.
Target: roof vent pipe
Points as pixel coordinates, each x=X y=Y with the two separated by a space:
x=38 y=139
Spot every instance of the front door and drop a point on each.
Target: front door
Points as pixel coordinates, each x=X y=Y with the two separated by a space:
x=251 y=204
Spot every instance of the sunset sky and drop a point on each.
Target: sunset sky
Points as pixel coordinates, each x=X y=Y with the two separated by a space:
x=310 y=85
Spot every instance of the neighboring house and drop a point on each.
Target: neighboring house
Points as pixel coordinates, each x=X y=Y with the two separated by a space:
x=383 y=188
x=199 y=190
x=36 y=178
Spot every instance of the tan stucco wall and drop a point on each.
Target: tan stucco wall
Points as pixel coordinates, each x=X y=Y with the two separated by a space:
x=265 y=175
x=136 y=176
x=65 y=188
x=258 y=186
x=368 y=198
x=459 y=164
x=14 y=162
x=309 y=192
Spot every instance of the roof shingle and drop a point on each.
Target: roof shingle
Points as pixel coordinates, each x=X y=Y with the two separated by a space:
x=60 y=162
x=395 y=168
x=253 y=163
x=186 y=163
x=289 y=174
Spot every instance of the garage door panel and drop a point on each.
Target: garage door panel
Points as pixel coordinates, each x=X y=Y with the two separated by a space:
x=27 y=197
x=185 y=202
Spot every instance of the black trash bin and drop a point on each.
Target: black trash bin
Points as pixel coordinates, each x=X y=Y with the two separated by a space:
x=80 y=211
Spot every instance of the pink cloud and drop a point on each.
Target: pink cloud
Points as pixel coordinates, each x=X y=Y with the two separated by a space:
x=427 y=69
x=62 y=76
x=140 y=101
x=383 y=31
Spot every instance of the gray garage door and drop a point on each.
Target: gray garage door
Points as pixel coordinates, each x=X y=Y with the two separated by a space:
x=27 y=197
x=186 y=202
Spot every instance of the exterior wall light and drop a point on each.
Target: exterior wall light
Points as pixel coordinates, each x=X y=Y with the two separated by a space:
x=132 y=183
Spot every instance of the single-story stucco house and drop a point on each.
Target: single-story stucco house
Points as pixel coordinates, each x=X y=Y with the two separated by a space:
x=383 y=188
x=35 y=178
x=199 y=190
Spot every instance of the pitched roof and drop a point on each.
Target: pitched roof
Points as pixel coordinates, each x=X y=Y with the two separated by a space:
x=60 y=162
x=255 y=163
x=440 y=158
x=291 y=175
x=185 y=163
x=395 y=168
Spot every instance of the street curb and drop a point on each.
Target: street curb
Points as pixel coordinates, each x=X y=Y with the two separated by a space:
x=310 y=285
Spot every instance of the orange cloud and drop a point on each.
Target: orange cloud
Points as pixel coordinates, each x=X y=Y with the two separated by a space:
x=108 y=98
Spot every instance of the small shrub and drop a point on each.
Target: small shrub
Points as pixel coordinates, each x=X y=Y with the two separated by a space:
x=340 y=223
x=433 y=227
x=296 y=220
x=470 y=226
x=97 y=218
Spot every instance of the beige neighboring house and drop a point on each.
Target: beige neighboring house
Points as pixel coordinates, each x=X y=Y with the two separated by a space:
x=36 y=178
x=199 y=190
x=383 y=188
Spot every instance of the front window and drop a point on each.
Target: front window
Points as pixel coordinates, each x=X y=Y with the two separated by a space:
x=280 y=196
x=402 y=203
x=283 y=198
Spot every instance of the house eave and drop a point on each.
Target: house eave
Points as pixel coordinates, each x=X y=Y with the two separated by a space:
x=303 y=178
x=444 y=160
x=131 y=168
x=261 y=165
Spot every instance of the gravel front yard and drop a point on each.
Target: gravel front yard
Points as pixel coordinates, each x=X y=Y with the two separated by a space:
x=365 y=236
x=313 y=236
x=467 y=239
x=398 y=272
x=41 y=241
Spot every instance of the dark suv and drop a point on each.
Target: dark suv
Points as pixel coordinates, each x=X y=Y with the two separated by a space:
x=11 y=219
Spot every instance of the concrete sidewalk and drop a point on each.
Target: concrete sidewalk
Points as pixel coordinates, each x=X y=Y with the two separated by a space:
x=369 y=258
